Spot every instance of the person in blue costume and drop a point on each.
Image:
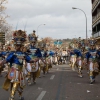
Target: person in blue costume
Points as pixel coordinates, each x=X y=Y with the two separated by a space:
x=2 y=57
x=15 y=77
x=72 y=59
x=42 y=64
x=98 y=57
x=78 y=53
x=34 y=52
x=51 y=54
x=48 y=60
x=91 y=50
x=91 y=57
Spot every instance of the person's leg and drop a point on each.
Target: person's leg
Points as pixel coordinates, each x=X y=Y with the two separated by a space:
x=13 y=90
x=1 y=69
x=20 y=91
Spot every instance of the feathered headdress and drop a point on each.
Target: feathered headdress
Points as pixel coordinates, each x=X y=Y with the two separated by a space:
x=92 y=41
x=19 y=37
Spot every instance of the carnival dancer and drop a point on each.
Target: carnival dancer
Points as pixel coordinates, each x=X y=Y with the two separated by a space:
x=2 y=57
x=42 y=65
x=64 y=56
x=80 y=66
x=91 y=56
x=33 y=52
x=51 y=54
x=48 y=60
x=15 y=77
x=79 y=61
x=72 y=59
x=93 y=69
x=56 y=57
x=98 y=57
x=7 y=51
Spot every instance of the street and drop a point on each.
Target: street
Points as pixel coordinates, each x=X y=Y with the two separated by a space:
x=61 y=83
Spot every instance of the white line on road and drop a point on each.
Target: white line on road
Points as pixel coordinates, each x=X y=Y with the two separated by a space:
x=41 y=95
x=52 y=77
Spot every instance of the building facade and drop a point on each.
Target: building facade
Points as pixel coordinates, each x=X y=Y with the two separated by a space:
x=96 y=20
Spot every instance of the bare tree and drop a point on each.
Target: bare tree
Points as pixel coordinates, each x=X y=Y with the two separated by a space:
x=4 y=26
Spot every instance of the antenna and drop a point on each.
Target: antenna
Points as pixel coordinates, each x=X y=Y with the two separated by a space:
x=23 y=23
x=17 y=25
x=25 y=26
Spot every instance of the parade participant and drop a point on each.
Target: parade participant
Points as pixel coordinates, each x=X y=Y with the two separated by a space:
x=42 y=65
x=93 y=69
x=72 y=59
x=91 y=49
x=78 y=52
x=91 y=56
x=2 y=56
x=80 y=66
x=64 y=54
x=56 y=57
x=7 y=50
x=48 y=60
x=98 y=57
x=51 y=54
x=33 y=52
x=15 y=77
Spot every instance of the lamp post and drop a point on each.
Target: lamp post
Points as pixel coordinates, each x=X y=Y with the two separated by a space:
x=38 y=27
x=85 y=17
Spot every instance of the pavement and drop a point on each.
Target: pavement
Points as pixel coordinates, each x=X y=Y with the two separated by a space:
x=61 y=83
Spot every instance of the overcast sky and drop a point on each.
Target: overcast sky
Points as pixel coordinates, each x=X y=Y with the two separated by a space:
x=61 y=20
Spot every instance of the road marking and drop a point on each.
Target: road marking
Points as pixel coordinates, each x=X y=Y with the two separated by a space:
x=52 y=77
x=41 y=95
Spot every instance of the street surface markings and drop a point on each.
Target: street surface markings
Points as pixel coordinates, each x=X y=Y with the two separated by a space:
x=52 y=77
x=88 y=91
x=41 y=95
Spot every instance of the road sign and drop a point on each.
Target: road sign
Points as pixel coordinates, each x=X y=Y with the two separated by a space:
x=57 y=42
x=2 y=37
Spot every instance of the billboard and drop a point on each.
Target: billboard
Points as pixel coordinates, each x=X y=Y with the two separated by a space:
x=2 y=37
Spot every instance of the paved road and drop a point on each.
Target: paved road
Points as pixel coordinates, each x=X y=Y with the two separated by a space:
x=60 y=84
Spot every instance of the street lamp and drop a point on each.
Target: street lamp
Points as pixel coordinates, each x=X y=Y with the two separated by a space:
x=85 y=17
x=38 y=27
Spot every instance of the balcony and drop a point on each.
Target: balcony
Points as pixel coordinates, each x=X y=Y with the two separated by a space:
x=96 y=19
x=96 y=35
x=95 y=4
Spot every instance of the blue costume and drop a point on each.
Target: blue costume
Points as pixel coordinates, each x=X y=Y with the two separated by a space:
x=13 y=58
x=78 y=53
x=17 y=59
x=90 y=52
x=2 y=57
x=35 y=51
x=91 y=57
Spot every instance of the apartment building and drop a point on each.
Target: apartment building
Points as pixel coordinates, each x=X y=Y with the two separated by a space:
x=96 y=20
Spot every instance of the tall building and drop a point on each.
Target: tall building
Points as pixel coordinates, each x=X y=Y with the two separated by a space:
x=96 y=20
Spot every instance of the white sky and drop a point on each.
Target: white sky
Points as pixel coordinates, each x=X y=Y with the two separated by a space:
x=61 y=20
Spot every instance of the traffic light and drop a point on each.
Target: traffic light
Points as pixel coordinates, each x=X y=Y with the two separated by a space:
x=2 y=37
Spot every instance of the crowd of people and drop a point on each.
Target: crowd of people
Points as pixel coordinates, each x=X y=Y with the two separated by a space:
x=24 y=61
x=85 y=55
x=25 y=58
